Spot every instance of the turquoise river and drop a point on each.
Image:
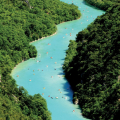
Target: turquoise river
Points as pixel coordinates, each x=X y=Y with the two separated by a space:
x=48 y=77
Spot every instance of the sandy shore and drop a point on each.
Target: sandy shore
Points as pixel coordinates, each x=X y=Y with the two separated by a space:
x=44 y=37
x=71 y=20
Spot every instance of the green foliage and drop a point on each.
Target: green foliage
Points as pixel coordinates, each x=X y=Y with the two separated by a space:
x=92 y=67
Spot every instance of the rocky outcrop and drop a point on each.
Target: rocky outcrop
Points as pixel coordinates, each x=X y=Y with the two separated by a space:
x=28 y=3
x=76 y=102
x=0 y=78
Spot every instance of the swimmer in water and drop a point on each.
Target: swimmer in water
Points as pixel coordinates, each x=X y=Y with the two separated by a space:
x=47 y=53
x=51 y=57
x=55 y=69
x=28 y=68
x=17 y=75
x=52 y=97
x=51 y=76
x=65 y=97
x=47 y=66
x=39 y=61
x=55 y=62
x=29 y=80
x=73 y=110
x=62 y=97
x=59 y=89
x=38 y=69
x=42 y=70
x=33 y=74
x=33 y=70
x=44 y=88
x=63 y=37
x=66 y=34
x=42 y=93
x=49 y=96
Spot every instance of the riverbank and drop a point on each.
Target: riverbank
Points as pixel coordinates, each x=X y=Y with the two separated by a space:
x=32 y=42
x=55 y=32
x=44 y=37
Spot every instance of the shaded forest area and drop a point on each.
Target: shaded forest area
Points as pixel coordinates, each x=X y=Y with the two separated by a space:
x=23 y=21
x=92 y=67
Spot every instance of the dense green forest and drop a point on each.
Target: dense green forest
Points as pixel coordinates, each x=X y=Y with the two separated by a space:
x=92 y=67
x=103 y=4
x=23 y=21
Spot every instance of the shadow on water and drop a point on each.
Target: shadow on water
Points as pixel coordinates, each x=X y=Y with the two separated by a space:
x=61 y=73
x=67 y=88
x=68 y=92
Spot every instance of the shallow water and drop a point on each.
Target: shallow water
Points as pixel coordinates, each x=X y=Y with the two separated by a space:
x=41 y=81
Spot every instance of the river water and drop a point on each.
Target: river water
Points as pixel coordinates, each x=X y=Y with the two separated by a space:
x=47 y=76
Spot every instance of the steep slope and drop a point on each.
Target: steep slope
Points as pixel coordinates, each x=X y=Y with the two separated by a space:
x=93 y=67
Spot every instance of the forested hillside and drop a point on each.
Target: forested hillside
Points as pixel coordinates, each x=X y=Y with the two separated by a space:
x=23 y=21
x=103 y=4
x=92 y=67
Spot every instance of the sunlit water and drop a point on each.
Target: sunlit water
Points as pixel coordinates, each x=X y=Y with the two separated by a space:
x=49 y=81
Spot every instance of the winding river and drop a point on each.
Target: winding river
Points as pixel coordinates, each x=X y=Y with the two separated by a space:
x=47 y=76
